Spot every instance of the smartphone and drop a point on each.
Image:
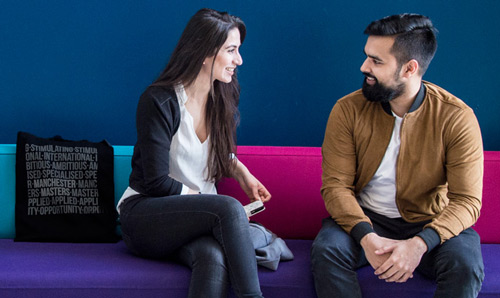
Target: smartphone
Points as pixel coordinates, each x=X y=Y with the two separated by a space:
x=254 y=208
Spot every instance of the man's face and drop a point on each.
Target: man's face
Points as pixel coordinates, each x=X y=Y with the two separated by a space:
x=382 y=81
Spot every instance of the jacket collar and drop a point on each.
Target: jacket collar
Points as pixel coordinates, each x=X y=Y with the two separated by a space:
x=416 y=103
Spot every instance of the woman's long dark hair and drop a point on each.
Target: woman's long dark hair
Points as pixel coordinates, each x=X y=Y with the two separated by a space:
x=203 y=37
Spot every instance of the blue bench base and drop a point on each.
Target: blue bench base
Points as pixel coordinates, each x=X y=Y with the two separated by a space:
x=51 y=270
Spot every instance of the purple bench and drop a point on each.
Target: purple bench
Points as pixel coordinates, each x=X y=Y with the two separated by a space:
x=292 y=175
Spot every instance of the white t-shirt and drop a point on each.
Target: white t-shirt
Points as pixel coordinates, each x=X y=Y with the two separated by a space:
x=189 y=156
x=379 y=195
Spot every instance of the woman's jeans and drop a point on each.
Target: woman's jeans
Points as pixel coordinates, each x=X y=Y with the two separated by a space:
x=456 y=265
x=208 y=233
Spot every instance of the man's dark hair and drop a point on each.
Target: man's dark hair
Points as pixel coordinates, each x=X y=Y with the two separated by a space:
x=415 y=37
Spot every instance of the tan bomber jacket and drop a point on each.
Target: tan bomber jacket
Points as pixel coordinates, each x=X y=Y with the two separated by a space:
x=439 y=170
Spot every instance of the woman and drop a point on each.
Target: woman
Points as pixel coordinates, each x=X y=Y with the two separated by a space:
x=186 y=127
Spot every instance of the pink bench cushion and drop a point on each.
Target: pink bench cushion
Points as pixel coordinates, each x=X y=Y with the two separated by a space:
x=293 y=176
x=488 y=224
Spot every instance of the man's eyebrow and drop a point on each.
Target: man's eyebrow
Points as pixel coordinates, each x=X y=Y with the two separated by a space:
x=373 y=56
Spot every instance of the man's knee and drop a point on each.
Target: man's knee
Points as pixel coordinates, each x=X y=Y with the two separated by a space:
x=331 y=253
x=333 y=246
x=463 y=267
x=461 y=260
x=474 y=271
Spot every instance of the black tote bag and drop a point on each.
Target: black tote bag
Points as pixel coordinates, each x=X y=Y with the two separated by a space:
x=64 y=190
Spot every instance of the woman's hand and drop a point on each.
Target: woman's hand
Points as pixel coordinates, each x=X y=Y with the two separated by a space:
x=250 y=185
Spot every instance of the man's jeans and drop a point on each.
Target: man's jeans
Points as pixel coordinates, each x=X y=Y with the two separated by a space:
x=456 y=265
x=208 y=233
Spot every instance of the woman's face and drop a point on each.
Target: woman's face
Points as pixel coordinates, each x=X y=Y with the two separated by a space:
x=227 y=59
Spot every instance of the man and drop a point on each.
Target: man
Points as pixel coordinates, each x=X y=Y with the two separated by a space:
x=402 y=173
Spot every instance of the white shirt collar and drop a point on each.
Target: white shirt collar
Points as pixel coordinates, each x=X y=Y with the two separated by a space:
x=181 y=94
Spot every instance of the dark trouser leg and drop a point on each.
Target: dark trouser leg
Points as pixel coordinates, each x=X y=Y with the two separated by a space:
x=457 y=265
x=158 y=227
x=206 y=259
x=335 y=256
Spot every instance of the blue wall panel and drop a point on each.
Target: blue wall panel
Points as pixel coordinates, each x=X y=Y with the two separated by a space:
x=77 y=68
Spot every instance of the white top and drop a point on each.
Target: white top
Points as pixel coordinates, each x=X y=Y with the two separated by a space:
x=379 y=195
x=188 y=155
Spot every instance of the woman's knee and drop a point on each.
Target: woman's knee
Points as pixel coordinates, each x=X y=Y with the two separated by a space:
x=231 y=207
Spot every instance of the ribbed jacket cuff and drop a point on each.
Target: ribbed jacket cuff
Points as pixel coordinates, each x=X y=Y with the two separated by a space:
x=430 y=237
x=360 y=230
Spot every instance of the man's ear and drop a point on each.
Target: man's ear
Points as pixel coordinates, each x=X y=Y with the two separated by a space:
x=411 y=68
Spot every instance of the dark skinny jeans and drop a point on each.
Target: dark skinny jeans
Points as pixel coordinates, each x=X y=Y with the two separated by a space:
x=208 y=233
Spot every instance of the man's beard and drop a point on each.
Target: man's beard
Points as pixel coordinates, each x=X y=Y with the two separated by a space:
x=379 y=92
